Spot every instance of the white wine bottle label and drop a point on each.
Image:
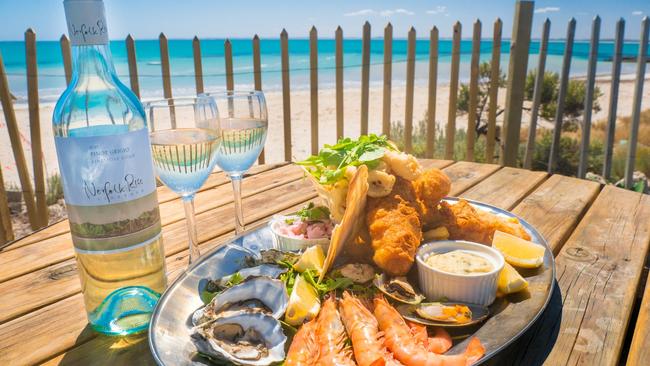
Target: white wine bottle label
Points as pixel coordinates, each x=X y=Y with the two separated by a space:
x=86 y=22
x=109 y=190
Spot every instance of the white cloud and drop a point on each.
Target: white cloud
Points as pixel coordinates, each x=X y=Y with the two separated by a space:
x=359 y=13
x=388 y=12
x=637 y=12
x=548 y=9
x=440 y=9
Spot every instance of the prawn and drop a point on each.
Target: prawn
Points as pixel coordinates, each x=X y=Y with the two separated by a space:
x=304 y=347
x=440 y=342
x=367 y=341
x=399 y=340
x=331 y=336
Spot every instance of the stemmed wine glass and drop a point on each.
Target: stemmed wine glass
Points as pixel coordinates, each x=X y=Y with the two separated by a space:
x=244 y=123
x=185 y=137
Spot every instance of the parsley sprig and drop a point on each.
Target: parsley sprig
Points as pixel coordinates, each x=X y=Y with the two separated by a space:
x=328 y=167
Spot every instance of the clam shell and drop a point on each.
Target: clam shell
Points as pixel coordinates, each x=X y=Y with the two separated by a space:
x=267 y=326
x=272 y=293
x=380 y=283
x=479 y=314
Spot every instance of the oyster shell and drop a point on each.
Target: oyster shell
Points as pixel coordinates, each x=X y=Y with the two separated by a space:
x=358 y=272
x=263 y=270
x=260 y=294
x=272 y=256
x=444 y=314
x=398 y=289
x=242 y=338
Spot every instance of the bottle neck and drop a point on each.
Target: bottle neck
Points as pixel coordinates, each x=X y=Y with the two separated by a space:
x=92 y=60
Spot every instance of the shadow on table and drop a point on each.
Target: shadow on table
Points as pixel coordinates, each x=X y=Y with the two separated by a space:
x=105 y=350
x=536 y=344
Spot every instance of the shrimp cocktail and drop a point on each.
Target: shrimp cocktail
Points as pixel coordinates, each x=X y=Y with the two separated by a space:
x=347 y=286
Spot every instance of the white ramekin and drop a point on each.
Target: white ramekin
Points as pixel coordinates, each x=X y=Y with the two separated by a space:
x=477 y=288
x=287 y=243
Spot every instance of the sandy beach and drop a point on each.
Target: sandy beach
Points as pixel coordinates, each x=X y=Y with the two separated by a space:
x=300 y=119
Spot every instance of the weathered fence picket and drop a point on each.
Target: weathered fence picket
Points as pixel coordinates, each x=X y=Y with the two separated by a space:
x=472 y=121
x=339 y=82
x=313 y=87
x=450 y=131
x=198 y=65
x=636 y=106
x=365 y=77
x=495 y=75
x=537 y=95
x=589 y=97
x=564 y=84
x=286 y=93
x=133 y=65
x=66 y=53
x=410 y=81
x=613 y=97
x=35 y=128
x=433 y=84
x=388 y=79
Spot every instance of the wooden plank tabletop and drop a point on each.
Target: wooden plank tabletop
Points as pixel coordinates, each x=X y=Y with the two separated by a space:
x=600 y=237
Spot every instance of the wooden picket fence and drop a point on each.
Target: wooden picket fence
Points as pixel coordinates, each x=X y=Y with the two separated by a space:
x=510 y=132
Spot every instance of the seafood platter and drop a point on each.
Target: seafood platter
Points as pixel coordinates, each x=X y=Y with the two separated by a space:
x=385 y=270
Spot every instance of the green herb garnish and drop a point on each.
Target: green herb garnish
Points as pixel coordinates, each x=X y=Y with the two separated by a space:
x=235 y=279
x=329 y=166
x=312 y=212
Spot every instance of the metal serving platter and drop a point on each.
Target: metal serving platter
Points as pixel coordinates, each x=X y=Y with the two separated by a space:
x=169 y=332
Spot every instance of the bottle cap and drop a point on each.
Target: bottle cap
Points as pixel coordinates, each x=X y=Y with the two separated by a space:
x=86 y=22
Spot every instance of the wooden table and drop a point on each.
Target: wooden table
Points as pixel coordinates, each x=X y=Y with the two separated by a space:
x=600 y=236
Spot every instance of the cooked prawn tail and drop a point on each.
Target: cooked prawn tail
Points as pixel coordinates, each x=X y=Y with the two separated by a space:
x=304 y=347
x=474 y=351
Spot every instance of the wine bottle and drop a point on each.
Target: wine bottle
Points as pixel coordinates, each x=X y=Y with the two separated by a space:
x=102 y=144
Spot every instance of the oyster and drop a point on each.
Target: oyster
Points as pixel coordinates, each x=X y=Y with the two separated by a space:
x=261 y=294
x=358 y=272
x=272 y=256
x=242 y=338
x=398 y=289
x=263 y=270
x=444 y=314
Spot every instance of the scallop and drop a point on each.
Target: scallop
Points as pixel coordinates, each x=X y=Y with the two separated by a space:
x=262 y=294
x=242 y=338
x=398 y=289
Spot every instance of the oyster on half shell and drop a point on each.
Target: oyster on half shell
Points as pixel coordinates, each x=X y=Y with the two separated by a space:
x=242 y=338
x=257 y=294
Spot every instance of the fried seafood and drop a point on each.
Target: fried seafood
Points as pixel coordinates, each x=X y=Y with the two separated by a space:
x=402 y=164
x=395 y=229
x=464 y=222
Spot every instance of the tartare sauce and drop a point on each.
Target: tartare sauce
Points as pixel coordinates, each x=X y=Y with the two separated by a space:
x=460 y=262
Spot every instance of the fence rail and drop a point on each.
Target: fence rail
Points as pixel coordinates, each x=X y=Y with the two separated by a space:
x=509 y=139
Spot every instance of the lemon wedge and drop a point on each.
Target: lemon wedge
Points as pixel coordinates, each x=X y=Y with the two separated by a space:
x=510 y=281
x=312 y=258
x=517 y=251
x=304 y=303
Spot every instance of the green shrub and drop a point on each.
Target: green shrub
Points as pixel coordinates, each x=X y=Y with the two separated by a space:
x=419 y=142
x=573 y=101
x=54 y=189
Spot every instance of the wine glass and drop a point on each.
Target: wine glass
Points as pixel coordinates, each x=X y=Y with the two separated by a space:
x=185 y=137
x=244 y=123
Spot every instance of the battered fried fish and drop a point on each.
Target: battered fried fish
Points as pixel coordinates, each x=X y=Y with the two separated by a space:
x=431 y=187
x=464 y=222
x=394 y=227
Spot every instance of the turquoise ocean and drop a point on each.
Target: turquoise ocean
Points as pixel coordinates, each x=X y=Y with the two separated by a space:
x=52 y=81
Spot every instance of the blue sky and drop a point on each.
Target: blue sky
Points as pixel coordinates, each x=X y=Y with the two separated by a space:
x=145 y=19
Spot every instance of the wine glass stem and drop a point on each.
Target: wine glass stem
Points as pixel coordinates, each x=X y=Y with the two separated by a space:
x=239 y=215
x=188 y=203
